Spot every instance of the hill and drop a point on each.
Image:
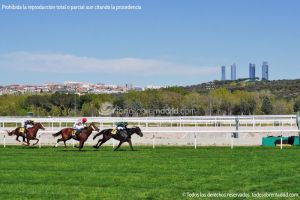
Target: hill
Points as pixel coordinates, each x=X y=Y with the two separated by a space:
x=280 y=88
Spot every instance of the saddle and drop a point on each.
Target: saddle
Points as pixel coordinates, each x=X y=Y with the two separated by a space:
x=22 y=130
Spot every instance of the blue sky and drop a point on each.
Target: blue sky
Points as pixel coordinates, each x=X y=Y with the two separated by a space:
x=166 y=43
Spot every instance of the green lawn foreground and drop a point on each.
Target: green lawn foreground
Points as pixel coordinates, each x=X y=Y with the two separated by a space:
x=161 y=173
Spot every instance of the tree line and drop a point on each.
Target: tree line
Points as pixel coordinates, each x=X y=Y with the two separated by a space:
x=220 y=101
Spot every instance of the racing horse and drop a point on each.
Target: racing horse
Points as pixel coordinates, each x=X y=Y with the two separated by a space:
x=30 y=133
x=107 y=135
x=67 y=134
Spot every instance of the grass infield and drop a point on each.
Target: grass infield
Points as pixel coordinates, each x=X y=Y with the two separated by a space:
x=161 y=173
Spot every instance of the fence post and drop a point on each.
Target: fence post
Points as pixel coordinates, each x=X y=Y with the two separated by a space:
x=281 y=142
x=4 y=141
x=73 y=143
x=113 y=144
x=195 y=140
x=40 y=145
x=153 y=141
x=231 y=142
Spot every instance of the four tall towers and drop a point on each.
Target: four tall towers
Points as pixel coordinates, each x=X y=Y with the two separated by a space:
x=252 y=75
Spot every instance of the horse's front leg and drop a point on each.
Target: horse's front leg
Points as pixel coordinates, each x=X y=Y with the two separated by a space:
x=118 y=145
x=81 y=144
x=130 y=144
x=17 y=138
x=37 y=140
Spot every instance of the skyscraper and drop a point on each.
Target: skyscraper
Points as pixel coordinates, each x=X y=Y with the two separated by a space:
x=265 y=71
x=252 y=72
x=223 y=73
x=233 y=72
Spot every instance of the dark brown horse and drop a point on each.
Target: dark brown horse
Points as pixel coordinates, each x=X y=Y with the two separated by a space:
x=30 y=133
x=107 y=134
x=67 y=134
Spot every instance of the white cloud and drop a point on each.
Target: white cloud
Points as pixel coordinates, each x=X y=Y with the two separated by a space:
x=65 y=63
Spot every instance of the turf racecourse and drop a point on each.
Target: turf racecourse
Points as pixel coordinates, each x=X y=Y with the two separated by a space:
x=161 y=173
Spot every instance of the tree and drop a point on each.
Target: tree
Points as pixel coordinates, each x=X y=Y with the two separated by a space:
x=282 y=107
x=297 y=104
x=267 y=107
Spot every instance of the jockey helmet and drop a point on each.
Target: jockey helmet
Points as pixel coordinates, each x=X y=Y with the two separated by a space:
x=84 y=120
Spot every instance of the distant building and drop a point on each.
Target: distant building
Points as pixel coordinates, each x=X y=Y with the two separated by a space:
x=233 y=72
x=252 y=72
x=129 y=86
x=265 y=71
x=223 y=77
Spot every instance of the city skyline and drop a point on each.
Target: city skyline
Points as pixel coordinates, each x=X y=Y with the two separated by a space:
x=252 y=72
x=184 y=45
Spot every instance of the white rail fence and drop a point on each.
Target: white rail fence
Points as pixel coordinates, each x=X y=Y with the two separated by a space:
x=193 y=138
x=191 y=131
x=179 y=122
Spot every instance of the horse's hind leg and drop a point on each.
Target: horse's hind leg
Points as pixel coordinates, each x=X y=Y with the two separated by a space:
x=102 y=142
x=96 y=145
x=118 y=146
x=58 y=140
x=27 y=142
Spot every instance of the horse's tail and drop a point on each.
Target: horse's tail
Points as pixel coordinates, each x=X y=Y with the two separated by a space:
x=10 y=133
x=57 y=134
x=100 y=133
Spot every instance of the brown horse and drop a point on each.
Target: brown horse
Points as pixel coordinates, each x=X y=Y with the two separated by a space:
x=66 y=134
x=18 y=133
x=30 y=133
x=107 y=134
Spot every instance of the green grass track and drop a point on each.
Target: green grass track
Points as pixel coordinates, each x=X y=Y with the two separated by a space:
x=161 y=173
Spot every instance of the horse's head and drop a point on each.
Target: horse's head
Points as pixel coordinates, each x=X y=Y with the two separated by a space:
x=94 y=127
x=38 y=125
x=138 y=131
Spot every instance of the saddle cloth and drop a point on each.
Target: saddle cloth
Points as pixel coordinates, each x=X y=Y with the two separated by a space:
x=73 y=132
x=22 y=130
x=114 y=131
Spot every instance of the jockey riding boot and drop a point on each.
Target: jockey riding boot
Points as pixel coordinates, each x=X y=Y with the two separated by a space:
x=77 y=133
x=24 y=133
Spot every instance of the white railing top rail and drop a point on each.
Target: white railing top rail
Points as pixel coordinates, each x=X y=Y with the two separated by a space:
x=197 y=131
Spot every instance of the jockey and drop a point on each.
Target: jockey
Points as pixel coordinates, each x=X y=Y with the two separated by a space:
x=121 y=127
x=28 y=124
x=79 y=125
